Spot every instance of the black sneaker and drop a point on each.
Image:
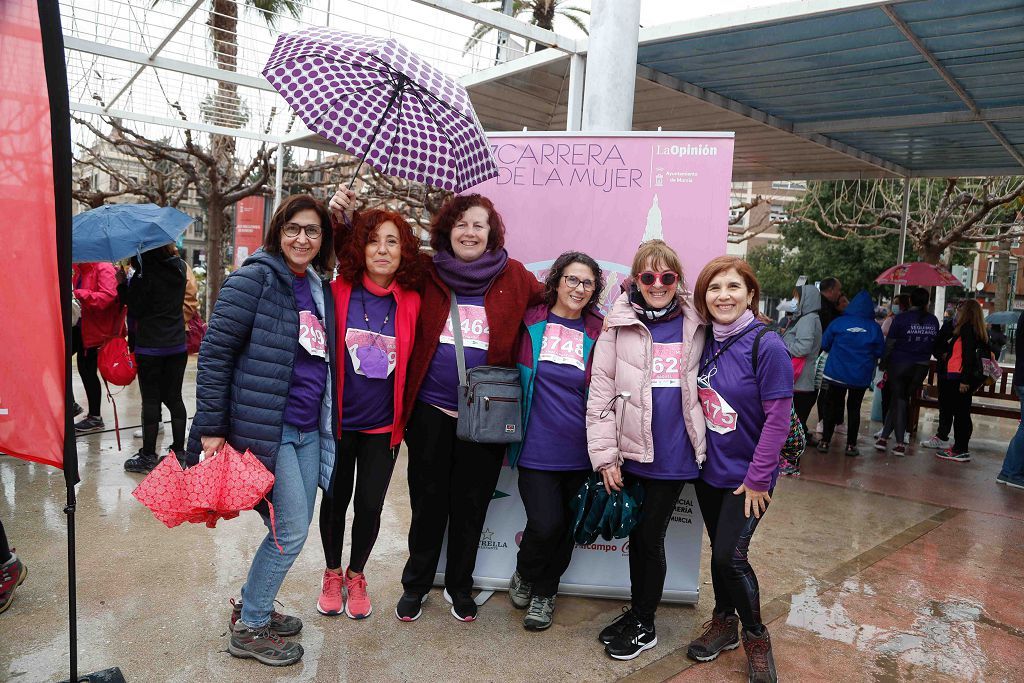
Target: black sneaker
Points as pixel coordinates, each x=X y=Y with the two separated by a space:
x=463 y=607
x=281 y=624
x=88 y=425
x=615 y=629
x=409 y=606
x=141 y=463
x=633 y=640
x=263 y=645
x=722 y=632
x=852 y=451
x=823 y=446
x=760 y=663
x=78 y=409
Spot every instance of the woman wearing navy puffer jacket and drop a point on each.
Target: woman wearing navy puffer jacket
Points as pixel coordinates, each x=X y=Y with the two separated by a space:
x=854 y=343
x=266 y=368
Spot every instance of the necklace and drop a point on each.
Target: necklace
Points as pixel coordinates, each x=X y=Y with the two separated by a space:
x=373 y=360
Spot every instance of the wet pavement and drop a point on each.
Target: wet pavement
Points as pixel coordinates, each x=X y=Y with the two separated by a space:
x=875 y=568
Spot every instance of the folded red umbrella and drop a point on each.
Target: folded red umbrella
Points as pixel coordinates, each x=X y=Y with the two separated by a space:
x=219 y=487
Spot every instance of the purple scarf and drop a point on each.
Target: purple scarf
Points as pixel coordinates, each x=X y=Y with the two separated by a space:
x=723 y=332
x=470 y=279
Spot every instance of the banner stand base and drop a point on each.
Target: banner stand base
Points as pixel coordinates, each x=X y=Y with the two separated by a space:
x=482 y=597
x=111 y=675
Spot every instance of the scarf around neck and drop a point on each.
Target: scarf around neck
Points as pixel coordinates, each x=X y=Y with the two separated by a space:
x=470 y=279
x=723 y=332
x=644 y=311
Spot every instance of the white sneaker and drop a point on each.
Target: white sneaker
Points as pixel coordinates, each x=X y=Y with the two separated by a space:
x=138 y=432
x=936 y=442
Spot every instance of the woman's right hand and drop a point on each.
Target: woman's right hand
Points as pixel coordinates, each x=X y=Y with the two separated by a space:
x=612 y=476
x=211 y=444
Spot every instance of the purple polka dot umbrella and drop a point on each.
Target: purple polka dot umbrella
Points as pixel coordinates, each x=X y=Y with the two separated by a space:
x=375 y=99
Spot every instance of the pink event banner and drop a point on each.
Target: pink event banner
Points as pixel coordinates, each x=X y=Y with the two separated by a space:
x=605 y=194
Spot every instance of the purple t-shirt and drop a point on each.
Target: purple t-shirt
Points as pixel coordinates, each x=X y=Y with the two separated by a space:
x=556 y=434
x=309 y=370
x=674 y=457
x=914 y=338
x=732 y=401
x=441 y=385
x=371 y=352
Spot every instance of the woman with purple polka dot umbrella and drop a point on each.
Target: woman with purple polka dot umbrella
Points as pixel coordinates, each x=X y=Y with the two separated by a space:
x=375 y=99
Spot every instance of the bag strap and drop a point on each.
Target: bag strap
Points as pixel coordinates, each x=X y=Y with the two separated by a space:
x=732 y=340
x=757 y=345
x=460 y=352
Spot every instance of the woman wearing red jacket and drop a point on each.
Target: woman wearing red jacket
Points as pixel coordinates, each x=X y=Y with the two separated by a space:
x=376 y=307
x=95 y=288
x=450 y=480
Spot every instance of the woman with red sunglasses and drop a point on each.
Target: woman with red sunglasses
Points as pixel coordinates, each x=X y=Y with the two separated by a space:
x=645 y=424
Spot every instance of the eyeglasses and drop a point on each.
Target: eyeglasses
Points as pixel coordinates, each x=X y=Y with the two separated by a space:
x=312 y=230
x=574 y=282
x=648 y=278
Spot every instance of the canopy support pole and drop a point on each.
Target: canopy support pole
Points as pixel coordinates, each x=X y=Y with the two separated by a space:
x=278 y=176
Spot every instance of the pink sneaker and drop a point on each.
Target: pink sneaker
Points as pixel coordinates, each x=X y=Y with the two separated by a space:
x=330 y=601
x=357 y=606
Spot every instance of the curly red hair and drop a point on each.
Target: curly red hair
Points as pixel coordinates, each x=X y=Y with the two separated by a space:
x=352 y=249
x=452 y=210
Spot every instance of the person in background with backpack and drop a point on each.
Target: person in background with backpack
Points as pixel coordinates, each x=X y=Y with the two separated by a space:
x=854 y=344
x=961 y=375
x=645 y=425
x=555 y=358
x=746 y=382
x=95 y=289
x=154 y=297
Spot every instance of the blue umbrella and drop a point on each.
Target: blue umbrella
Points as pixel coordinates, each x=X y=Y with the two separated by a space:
x=118 y=231
x=1003 y=318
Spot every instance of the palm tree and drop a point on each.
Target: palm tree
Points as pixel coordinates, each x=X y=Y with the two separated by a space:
x=542 y=14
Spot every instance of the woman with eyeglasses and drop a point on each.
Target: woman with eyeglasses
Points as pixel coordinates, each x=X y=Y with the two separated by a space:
x=555 y=353
x=645 y=423
x=266 y=371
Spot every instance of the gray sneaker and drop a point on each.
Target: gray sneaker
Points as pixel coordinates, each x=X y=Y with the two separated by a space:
x=263 y=645
x=283 y=625
x=519 y=591
x=538 y=617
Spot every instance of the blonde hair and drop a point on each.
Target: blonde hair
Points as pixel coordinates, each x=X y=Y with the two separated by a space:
x=655 y=252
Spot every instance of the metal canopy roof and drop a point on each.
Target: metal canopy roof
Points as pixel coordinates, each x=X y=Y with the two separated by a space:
x=816 y=89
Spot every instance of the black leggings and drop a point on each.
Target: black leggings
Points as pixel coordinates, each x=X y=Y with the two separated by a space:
x=957 y=409
x=852 y=397
x=87 y=370
x=5 y=549
x=546 y=547
x=160 y=379
x=647 y=566
x=901 y=383
x=732 y=576
x=803 y=401
x=374 y=458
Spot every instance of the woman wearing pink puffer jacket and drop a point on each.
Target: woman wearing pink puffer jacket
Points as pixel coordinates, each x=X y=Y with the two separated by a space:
x=645 y=423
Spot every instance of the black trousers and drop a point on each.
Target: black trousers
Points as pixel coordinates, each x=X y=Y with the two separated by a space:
x=825 y=400
x=451 y=482
x=948 y=394
x=839 y=395
x=902 y=381
x=955 y=407
x=87 y=360
x=5 y=549
x=803 y=401
x=364 y=465
x=160 y=379
x=734 y=581
x=546 y=547
x=647 y=566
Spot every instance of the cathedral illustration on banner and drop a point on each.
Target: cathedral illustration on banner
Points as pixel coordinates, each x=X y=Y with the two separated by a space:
x=653 y=229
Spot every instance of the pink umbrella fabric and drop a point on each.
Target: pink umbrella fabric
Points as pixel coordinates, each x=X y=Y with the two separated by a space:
x=918 y=273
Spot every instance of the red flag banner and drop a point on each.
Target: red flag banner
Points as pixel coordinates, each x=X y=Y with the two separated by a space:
x=32 y=345
x=248 y=227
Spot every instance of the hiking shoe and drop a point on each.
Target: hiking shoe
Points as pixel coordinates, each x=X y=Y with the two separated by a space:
x=950 y=454
x=281 y=624
x=357 y=603
x=77 y=410
x=633 y=640
x=882 y=444
x=823 y=446
x=330 y=601
x=721 y=633
x=615 y=629
x=852 y=451
x=463 y=607
x=936 y=442
x=899 y=450
x=1012 y=482
x=263 y=645
x=159 y=430
x=538 y=617
x=89 y=424
x=410 y=606
x=12 y=575
x=519 y=591
x=142 y=463
x=760 y=663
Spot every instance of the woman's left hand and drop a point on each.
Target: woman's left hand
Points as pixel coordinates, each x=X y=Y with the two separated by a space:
x=757 y=501
x=964 y=388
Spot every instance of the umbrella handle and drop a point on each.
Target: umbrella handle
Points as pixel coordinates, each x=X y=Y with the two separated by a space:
x=402 y=81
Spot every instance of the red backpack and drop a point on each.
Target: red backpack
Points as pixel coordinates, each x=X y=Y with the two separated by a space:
x=116 y=363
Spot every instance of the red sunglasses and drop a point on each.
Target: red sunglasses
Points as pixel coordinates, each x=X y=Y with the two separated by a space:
x=648 y=278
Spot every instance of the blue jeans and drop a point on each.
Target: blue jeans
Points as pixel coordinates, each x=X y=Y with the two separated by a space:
x=1013 y=464
x=296 y=474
